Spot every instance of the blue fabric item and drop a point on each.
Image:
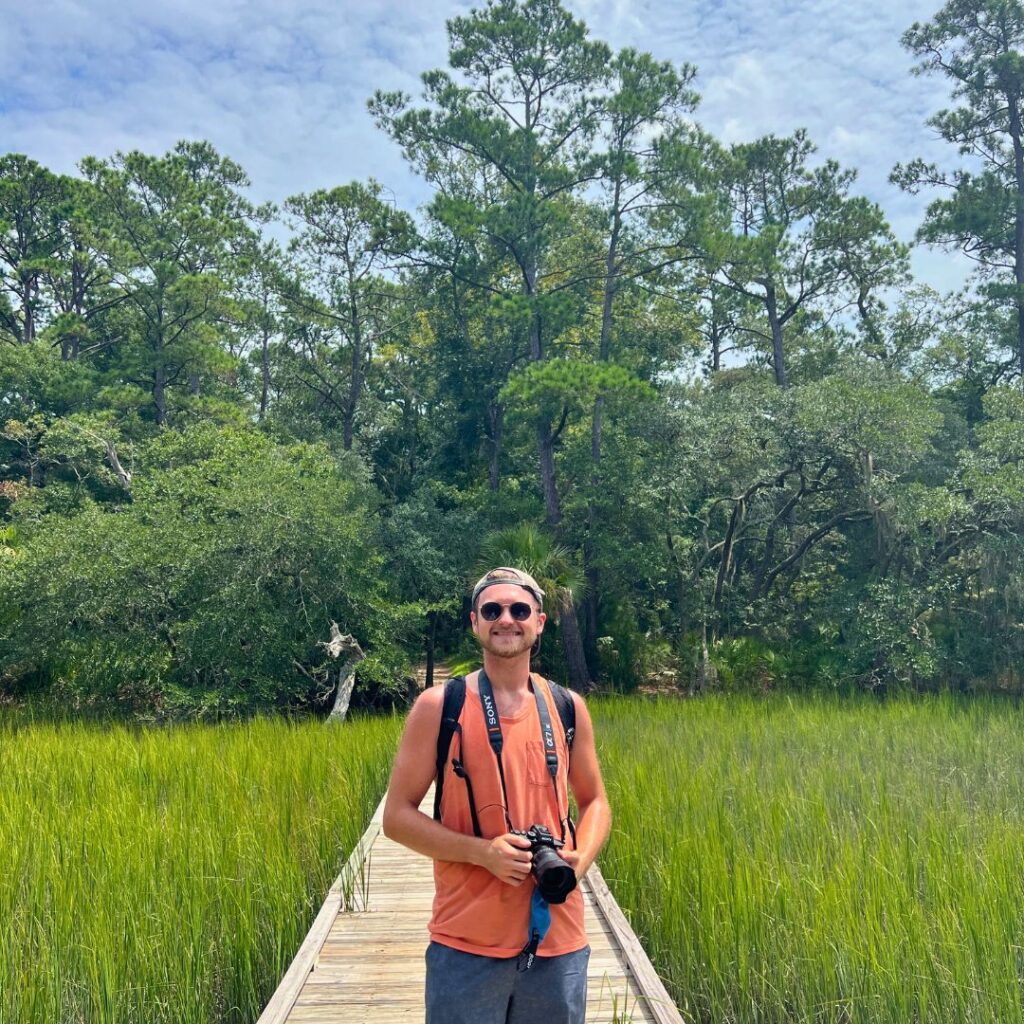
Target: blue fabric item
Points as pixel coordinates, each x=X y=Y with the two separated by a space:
x=540 y=917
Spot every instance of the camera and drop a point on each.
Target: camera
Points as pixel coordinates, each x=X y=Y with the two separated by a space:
x=555 y=878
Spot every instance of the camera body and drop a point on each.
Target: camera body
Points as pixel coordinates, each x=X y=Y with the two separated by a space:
x=555 y=878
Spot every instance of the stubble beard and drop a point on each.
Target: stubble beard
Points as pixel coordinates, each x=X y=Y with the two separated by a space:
x=504 y=649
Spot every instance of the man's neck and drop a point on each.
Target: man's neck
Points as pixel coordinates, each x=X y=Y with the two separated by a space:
x=509 y=675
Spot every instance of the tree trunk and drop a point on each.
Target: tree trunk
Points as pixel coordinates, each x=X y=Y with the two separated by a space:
x=569 y=630
x=28 y=316
x=159 y=391
x=611 y=270
x=707 y=674
x=265 y=374
x=336 y=646
x=356 y=386
x=343 y=695
x=681 y=591
x=590 y=570
x=431 y=634
x=773 y=319
x=70 y=344
x=572 y=648
x=496 y=415
x=591 y=606
x=1018 y=233
x=123 y=475
x=546 y=456
x=735 y=521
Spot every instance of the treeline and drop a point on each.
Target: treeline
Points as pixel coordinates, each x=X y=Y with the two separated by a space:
x=693 y=386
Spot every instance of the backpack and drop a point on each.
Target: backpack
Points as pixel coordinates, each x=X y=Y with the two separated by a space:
x=455 y=698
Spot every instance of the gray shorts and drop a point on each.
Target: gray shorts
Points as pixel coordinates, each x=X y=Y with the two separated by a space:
x=463 y=988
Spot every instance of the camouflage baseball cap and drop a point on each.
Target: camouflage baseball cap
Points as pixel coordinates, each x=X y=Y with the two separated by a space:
x=506 y=574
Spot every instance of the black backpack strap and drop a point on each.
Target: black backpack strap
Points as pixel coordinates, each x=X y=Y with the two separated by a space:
x=566 y=706
x=454 y=698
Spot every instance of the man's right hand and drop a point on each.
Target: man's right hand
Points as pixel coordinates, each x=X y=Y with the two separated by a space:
x=508 y=857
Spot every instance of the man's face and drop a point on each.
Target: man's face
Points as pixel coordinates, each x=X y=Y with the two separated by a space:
x=506 y=636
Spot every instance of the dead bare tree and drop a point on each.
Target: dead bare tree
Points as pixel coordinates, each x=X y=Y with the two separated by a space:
x=346 y=647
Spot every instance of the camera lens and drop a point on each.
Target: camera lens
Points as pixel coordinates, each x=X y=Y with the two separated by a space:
x=555 y=879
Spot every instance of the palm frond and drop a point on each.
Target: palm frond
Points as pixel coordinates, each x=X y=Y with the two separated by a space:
x=551 y=564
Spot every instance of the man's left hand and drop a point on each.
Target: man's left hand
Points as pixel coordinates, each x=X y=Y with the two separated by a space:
x=575 y=860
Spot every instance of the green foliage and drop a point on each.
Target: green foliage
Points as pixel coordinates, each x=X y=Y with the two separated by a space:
x=889 y=637
x=555 y=385
x=996 y=473
x=628 y=657
x=34 y=379
x=976 y=45
x=431 y=542
x=170 y=227
x=745 y=664
x=211 y=590
x=703 y=368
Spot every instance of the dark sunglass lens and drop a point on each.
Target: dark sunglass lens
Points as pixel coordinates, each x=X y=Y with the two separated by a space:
x=519 y=610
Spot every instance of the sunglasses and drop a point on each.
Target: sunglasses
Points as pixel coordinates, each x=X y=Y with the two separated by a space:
x=519 y=610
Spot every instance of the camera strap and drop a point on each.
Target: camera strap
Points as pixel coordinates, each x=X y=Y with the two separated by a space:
x=494 y=737
x=540 y=922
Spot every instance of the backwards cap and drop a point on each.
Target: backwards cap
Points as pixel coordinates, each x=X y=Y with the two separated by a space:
x=506 y=574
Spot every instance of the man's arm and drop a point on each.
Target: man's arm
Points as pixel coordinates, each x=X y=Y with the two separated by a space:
x=595 y=820
x=413 y=771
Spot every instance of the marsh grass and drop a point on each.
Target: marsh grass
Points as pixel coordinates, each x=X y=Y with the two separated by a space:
x=169 y=874
x=819 y=860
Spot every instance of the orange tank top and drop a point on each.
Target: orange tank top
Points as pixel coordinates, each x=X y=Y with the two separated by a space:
x=473 y=910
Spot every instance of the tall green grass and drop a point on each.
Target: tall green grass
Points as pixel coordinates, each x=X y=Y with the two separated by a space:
x=169 y=875
x=817 y=860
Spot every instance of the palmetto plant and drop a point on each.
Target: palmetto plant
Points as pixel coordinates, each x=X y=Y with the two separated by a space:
x=548 y=562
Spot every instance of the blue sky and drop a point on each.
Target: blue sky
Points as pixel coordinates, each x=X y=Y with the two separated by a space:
x=281 y=87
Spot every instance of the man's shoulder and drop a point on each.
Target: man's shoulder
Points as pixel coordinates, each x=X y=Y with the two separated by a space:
x=432 y=698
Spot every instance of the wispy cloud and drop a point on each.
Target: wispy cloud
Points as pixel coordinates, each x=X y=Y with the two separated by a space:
x=282 y=88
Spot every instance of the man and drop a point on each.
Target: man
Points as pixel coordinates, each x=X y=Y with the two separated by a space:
x=499 y=953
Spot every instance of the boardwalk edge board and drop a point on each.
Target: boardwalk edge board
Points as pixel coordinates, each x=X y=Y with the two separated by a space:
x=287 y=992
x=655 y=996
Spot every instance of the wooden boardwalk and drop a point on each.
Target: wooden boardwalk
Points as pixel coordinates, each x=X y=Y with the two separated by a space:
x=362 y=960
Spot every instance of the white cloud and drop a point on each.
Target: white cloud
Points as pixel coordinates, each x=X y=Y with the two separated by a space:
x=282 y=88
